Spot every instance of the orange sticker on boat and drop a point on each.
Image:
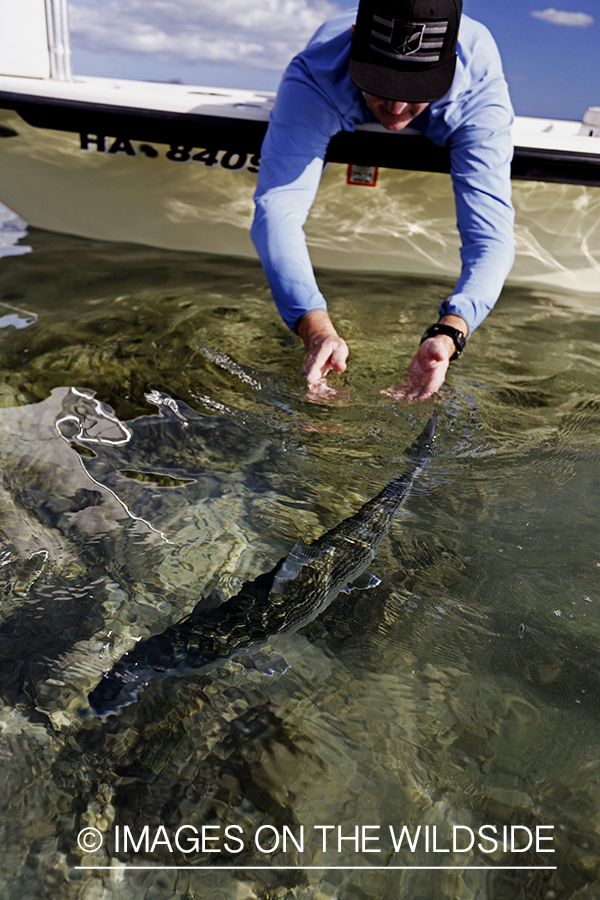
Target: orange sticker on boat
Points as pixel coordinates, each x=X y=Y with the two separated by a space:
x=362 y=175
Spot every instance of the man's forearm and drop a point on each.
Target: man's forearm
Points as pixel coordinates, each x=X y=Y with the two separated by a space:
x=315 y=325
x=484 y=271
x=281 y=245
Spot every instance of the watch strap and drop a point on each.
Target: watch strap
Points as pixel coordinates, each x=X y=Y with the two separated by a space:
x=454 y=333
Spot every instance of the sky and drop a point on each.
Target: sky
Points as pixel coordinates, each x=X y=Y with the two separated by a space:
x=551 y=55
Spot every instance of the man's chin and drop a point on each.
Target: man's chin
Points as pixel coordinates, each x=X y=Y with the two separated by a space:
x=394 y=126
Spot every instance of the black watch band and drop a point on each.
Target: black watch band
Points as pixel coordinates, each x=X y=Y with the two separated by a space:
x=456 y=335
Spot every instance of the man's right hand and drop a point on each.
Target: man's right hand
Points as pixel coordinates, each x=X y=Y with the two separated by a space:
x=327 y=352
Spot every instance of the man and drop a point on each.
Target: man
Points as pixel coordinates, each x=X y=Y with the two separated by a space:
x=402 y=62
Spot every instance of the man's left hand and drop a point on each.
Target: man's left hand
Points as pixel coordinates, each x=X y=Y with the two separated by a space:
x=427 y=371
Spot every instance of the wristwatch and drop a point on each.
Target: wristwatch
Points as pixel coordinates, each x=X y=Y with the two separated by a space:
x=456 y=335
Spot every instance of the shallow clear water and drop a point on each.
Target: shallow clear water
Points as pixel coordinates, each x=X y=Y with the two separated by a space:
x=157 y=448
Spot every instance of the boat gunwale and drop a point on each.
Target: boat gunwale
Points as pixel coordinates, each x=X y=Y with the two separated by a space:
x=246 y=132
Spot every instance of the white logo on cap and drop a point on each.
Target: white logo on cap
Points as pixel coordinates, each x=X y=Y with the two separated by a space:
x=406 y=39
x=415 y=41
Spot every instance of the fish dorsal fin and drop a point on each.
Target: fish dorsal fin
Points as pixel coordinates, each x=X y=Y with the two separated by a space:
x=300 y=555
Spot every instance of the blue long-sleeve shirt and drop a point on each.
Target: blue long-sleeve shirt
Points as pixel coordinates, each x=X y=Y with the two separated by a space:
x=317 y=99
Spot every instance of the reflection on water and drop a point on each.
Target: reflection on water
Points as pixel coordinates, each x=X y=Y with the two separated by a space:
x=158 y=448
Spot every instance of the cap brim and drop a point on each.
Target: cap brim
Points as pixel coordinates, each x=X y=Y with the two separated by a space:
x=416 y=86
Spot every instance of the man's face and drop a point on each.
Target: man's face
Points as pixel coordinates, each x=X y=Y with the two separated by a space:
x=393 y=114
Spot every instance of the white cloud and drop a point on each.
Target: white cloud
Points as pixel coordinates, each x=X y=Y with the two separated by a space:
x=261 y=33
x=561 y=17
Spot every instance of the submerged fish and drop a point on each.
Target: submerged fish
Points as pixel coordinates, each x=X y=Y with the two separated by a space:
x=291 y=595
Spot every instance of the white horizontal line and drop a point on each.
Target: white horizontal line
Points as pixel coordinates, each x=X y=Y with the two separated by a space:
x=322 y=868
x=425 y=44
x=440 y=28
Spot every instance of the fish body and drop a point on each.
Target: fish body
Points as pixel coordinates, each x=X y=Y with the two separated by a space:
x=285 y=599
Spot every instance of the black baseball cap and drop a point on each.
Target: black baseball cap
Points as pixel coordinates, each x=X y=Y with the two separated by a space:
x=405 y=49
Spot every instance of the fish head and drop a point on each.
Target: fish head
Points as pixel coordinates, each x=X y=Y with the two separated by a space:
x=423 y=443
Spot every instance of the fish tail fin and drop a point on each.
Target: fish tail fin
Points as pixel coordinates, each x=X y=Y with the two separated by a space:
x=120 y=687
x=147 y=661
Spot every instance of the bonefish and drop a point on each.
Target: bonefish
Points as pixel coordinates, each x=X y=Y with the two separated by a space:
x=291 y=595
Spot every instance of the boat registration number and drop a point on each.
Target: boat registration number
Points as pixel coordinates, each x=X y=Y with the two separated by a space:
x=233 y=160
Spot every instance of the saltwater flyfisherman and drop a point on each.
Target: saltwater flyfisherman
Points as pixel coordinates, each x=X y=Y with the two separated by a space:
x=291 y=595
x=401 y=62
